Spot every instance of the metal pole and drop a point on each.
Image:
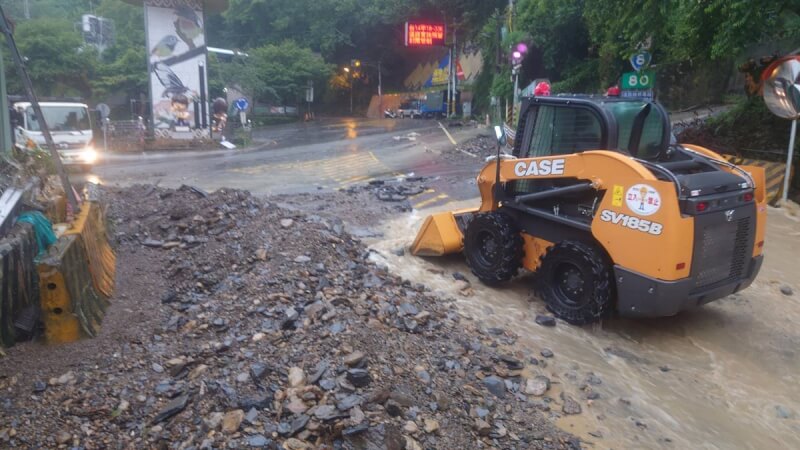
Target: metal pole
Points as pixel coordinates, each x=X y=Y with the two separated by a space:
x=454 y=71
x=351 y=94
x=26 y=82
x=380 y=90
x=449 y=85
x=203 y=99
x=788 y=173
x=4 y=111
x=105 y=134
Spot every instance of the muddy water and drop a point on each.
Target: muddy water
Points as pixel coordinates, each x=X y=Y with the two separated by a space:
x=723 y=376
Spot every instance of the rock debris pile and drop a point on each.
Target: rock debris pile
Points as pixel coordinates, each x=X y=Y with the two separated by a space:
x=272 y=329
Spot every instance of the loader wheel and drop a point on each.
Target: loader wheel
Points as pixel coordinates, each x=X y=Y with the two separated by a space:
x=493 y=247
x=575 y=281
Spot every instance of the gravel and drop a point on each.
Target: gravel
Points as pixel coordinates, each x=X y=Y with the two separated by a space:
x=271 y=334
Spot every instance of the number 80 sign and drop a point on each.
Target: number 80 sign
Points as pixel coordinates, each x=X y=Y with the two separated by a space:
x=640 y=80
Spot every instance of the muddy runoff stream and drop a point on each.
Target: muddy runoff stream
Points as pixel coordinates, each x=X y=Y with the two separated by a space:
x=723 y=376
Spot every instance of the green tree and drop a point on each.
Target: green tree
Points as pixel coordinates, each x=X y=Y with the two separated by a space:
x=276 y=73
x=57 y=61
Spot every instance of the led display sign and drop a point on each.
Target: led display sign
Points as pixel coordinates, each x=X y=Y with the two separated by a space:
x=425 y=34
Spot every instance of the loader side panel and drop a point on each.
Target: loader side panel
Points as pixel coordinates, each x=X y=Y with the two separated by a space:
x=640 y=225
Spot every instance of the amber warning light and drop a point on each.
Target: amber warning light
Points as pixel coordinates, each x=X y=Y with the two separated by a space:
x=425 y=34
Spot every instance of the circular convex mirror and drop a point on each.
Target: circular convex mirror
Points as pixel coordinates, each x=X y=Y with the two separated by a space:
x=782 y=88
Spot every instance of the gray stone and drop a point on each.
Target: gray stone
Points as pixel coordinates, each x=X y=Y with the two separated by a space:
x=157 y=368
x=786 y=290
x=546 y=321
x=570 y=406
x=153 y=243
x=495 y=385
x=358 y=377
x=353 y=359
x=537 y=386
x=393 y=409
x=298 y=424
x=783 y=412
x=173 y=408
x=326 y=412
x=258 y=441
x=349 y=402
x=251 y=416
x=356 y=430
x=547 y=353
x=408 y=309
x=302 y=259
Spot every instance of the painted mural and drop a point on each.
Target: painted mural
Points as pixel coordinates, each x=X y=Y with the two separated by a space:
x=177 y=56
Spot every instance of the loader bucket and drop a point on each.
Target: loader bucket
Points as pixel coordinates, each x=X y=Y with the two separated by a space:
x=440 y=235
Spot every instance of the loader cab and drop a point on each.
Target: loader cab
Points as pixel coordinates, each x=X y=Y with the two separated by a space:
x=567 y=125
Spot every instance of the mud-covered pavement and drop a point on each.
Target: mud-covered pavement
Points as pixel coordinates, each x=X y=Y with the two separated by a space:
x=722 y=376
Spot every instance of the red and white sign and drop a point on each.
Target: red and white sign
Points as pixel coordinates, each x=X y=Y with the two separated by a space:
x=643 y=200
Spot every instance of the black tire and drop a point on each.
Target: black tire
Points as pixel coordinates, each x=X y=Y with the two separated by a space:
x=493 y=247
x=576 y=283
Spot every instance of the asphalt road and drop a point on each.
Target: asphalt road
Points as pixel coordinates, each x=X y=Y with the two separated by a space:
x=304 y=157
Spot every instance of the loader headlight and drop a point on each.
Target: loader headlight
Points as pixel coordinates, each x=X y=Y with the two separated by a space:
x=89 y=155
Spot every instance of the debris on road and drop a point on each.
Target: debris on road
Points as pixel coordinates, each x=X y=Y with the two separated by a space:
x=313 y=346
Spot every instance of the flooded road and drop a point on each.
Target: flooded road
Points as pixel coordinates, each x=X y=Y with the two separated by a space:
x=723 y=376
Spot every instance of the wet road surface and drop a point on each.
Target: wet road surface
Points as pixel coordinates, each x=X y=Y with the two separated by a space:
x=724 y=376
x=305 y=157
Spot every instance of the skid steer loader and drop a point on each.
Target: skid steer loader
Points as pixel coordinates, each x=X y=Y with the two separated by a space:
x=608 y=213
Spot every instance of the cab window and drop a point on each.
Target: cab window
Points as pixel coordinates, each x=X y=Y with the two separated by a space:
x=652 y=132
x=560 y=130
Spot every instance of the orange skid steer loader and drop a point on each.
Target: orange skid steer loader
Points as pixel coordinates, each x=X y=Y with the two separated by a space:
x=608 y=213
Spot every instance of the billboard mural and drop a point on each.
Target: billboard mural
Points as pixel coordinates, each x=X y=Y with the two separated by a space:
x=177 y=64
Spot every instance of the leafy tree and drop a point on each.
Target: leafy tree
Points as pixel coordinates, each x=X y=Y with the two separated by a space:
x=276 y=73
x=57 y=61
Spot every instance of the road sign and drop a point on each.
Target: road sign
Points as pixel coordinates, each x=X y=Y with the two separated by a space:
x=241 y=104
x=104 y=110
x=639 y=93
x=640 y=60
x=310 y=94
x=638 y=80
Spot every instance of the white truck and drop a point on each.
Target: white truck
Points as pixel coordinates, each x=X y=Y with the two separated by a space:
x=71 y=128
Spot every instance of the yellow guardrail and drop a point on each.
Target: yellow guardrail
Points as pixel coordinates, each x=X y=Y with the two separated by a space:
x=71 y=306
x=90 y=227
x=775 y=172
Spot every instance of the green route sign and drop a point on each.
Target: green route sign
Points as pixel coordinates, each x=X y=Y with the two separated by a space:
x=638 y=80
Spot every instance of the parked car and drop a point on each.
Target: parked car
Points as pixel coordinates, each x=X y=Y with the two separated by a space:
x=410 y=109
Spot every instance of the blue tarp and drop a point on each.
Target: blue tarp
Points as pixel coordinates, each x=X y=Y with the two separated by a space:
x=45 y=237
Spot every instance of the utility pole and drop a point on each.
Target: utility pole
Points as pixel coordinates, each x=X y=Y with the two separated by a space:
x=380 y=89
x=4 y=112
x=5 y=27
x=454 y=71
